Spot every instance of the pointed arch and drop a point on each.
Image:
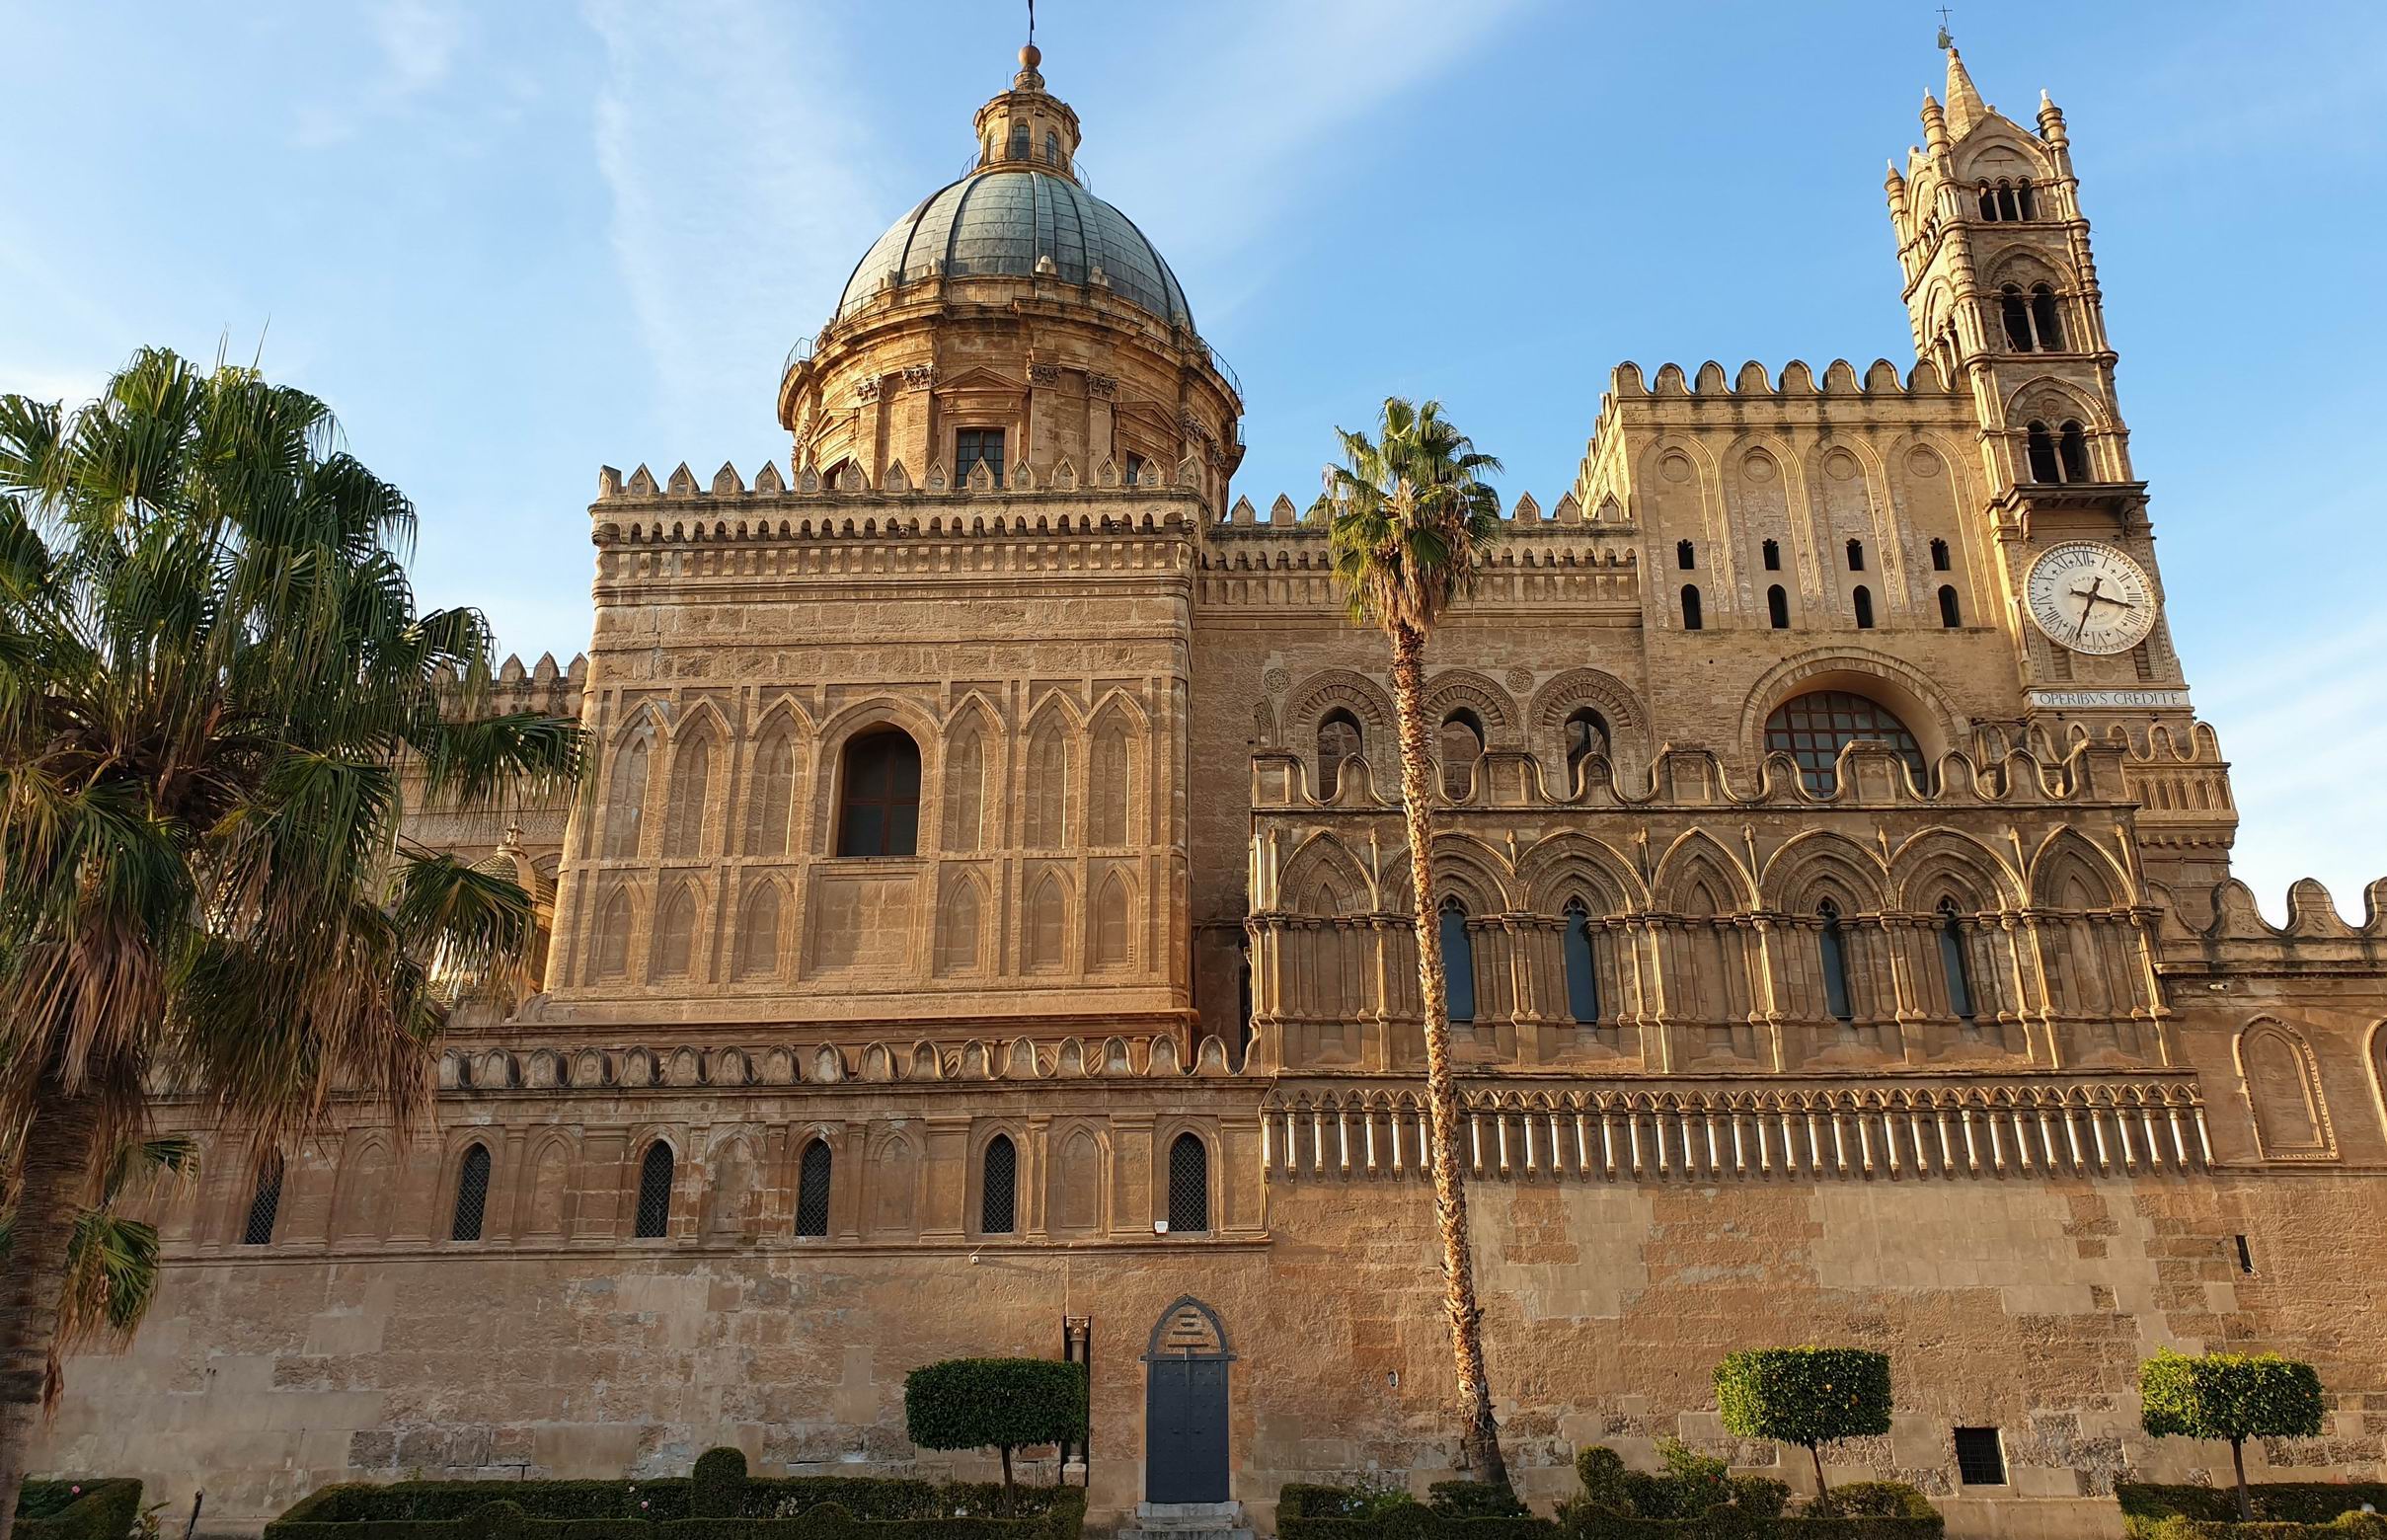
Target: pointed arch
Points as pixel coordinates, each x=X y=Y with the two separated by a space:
x=757 y=950
x=688 y=808
x=2282 y=1084
x=770 y=788
x=1074 y=1201
x=1816 y=865
x=471 y=1206
x=1697 y=858
x=1942 y=864
x=673 y=953
x=1048 y=794
x=609 y=950
x=1570 y=866
x=2069 y=872
x=895 y=1183
x=656 y=1173
x=961 y=925
x=966 y=759
x=812 y=1172
x=1110 y=774
x=550 y=1175
x=1044 y=931
x=626 y=803
x=366 y=1178
x=1324 y=872
x=1110 y=922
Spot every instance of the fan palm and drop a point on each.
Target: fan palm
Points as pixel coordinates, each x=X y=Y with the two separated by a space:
x=213 y=682
x=1410 y=516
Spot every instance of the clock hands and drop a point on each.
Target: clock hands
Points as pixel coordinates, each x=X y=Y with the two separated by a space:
x=2086 y=610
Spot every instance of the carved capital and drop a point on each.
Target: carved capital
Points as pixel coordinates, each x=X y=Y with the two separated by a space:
x=919 y=376
x=1102 y=385
x=867 y=390
x=1044 y=374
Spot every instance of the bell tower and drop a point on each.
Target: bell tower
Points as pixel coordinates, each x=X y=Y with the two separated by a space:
x=2001 y=287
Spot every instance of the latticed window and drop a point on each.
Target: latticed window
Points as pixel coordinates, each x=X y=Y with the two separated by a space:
x=999 y=1195
x=654 y=1192
x=1980 y=1458
x=1831 y=945
x=472 y=1194
x=265 y=1206
x=975 y=444
x=1189 y=1185
x=1813 y=727
x=813 y=1190
x=880 y=811
x=1582 y=978
x=1458 y=961
x=1953 y=961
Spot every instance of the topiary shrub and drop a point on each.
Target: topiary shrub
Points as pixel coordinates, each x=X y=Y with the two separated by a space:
x=2147 y=1506
x=1872 y=1499
x=1603 y=1472
x=1804 y=1396
x=1005 y=1404
x=2232 y=1396
x=1473 y=1499
x=716 y=1488
x=97 y=1509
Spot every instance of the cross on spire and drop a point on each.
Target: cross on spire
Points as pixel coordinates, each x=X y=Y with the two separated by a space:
x=1947 y=39
x=1031 y=23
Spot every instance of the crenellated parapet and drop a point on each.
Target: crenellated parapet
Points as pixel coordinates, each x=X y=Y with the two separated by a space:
x=2222 y=928
x=857 y=1065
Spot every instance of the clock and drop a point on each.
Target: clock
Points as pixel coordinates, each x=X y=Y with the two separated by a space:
x=2090 y=597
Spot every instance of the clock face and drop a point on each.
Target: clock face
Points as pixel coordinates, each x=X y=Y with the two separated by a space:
x=2090 y=597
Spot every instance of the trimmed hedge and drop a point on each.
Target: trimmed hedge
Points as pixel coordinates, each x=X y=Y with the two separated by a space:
x=2145 y=1505
x=2356 y=1525
x=104 y=1510
x=1314 y=1512
x=1697 y=1497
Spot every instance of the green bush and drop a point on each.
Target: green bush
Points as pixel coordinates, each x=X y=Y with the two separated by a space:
x=1872 y=1499
x=1621 y=1505
x=1473 y=1499
x=2230 y=1396
x=1804 y=1396
x=1315 y=1513
x=1003 y=1404
x=2355 y=1526
x=2147 y=1506
x=716 y=1488
x=1603 y=1472
x=101 y=1508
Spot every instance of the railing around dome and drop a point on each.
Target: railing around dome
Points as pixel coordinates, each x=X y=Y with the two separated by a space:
x=1073 y=169
x=1226 y=372
x=802 y=353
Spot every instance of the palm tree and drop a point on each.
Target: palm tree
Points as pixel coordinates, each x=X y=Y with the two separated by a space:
x=214 y=681
x=111 y=1262
x=1410 y=516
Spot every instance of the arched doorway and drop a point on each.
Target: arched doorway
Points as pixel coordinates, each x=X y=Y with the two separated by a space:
x=1186 y=1405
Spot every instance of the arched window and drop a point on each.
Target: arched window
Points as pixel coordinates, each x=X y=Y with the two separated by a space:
x=1953 y=961
x=1862 y=600
x=2045 y=322
x=2072 y=450
x=1052 y=149
x=1189 y=1185
x=1019 y=141
x=265 y=1204
x=1813 y=727
x=2023 y=197
x=1690 y=608
x=1832 y=953
x=1950 y=615
x=1458 y=961
x=880 y=811
x=1939 y=556
x=2041 y=447
x=999 y=1187
x=472 y=1194
x=629 y=802
x=653 y=1193
x=2014 y=310
x=1777 y=607
x=813 y=1190
x=1462 y=745
x=1772 y=552
x=1338 y=739
x=1686 y=556
x=1587 y=734
x=1856 y=555
x=1582 y=978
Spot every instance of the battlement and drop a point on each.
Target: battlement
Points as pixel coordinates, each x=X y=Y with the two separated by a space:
x=854 y=482
x=1527 y=516
x=2226 y=925
x=1797 y=381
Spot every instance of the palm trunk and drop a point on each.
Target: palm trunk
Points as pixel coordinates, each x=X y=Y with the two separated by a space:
x=57 y=1151
x=1480 y=1444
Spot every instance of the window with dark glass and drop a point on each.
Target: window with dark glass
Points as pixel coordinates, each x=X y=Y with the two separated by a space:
x=1458 y=961
x=813 y=1190
x=1582 y=978
x=1019 y=141
x=472 y=1194
x=1587 y=734
x=1686 y=556
x=1953 y=961
x=1189 y=1185
x=1862 y=599
x=1981 y=1457
x=975 y=444
x=1052 y=149
x=1138 y=471
x=1951 y=616
x=653 y=1193
x=1772 y=552
x=1690 y=608
x=999 y=1187
x=1831 y=945
x=1813 y=727
x=265 y=1204
x=1338 y=739
x=1777 y=607
x=2072 y=450
x=879 y=809
x=2039 y=447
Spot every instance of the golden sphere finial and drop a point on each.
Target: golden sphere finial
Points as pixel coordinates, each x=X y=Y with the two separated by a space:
x=1031 y=57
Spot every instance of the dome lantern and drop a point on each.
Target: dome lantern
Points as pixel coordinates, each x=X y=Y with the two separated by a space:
x=1028 y=125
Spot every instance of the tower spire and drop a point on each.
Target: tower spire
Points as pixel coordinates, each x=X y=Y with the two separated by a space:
x=1964 y=105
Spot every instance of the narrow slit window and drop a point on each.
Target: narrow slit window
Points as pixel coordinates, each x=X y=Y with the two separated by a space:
x=813 y=1190
x=1863 y=601
x=1690 y=608
x=1954 y=962
x=999 y=1183
x=472 y=1194
x=1777 y=607
x=654 y=1192
x=1831 y=945
x=1951 y=615
x=1458 y=961
x=2246 y=1255
x=1583 y=976
x=1189 y=1185
x=1771 y=551
x=265 y=1204
x=1939 y=556
x=1686 y=556
x=1856 y=555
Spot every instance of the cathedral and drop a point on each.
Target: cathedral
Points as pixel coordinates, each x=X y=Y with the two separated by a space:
x=988 y=931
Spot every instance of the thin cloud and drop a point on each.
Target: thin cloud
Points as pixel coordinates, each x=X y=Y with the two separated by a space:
x=417 y=42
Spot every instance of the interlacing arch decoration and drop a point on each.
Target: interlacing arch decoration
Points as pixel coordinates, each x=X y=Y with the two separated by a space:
x=1616 y=708
x=1570 y=865
x=2155 y=1127
x=1365 y=702
x=1820 y=865
x=1462 y=688
x=1904 y=690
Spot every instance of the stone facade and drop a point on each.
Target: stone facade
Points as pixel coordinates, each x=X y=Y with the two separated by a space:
x=987 y=931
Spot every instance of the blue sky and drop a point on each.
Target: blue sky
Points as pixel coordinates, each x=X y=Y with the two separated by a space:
x=511 y=243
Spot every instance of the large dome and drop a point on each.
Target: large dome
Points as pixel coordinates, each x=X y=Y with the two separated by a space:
x=1003 y=222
